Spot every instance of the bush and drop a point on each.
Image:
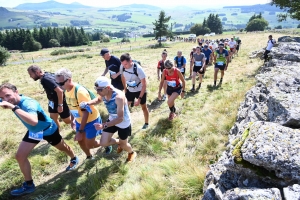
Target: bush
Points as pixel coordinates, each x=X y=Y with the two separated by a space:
x=105 y=39
x=60 y=52
x=32 y=45
x=78 y=50
x=4 y=55
x=278 y=27
x=298 y=26
x=54 y=43
x=241 y=30
x=125 y=40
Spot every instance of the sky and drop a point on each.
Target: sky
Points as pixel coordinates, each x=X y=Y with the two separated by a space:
x=160 y=3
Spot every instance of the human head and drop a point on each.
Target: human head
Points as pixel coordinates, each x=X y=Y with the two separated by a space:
x=164 y=55
x=221 y=45
x=168 y=64
x=35 y=72
x=179 y=53
x=9 y=93
x=205 y=46
x=105 y=54
x=270 y=36
x=102 y=85
x=126 y=60
x=194 y=49
x=198 y=49
x=63 y=78
x=232 y=39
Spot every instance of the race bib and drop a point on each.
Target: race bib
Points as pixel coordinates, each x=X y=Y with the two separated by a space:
x=75 y=113
x=172 y=83
x=182 y=70
x=198 y=63
x=112 y=72
x=220 y=63
x=131 y=83
x=51 y=104
x=36 y=136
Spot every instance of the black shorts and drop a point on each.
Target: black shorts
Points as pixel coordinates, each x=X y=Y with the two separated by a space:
x=65 y=113
x=122 y=132
x=118 y=85
x=53 y=139
x=130 y=96
x=221 y=67
x=206 y=61
x=197 y=69
x=171 y=90
x=238 y=47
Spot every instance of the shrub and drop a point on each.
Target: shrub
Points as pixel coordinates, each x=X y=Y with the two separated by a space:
x=78 y=50
x=4 y=55
x=125 y=40
x=60 y=52
x=105 y=39
x=241 y=30
x=54 y=43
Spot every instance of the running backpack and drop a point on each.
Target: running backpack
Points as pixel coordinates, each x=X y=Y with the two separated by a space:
x=92 y=95
x=134 y=69
x=181 y=60
x=271 y=41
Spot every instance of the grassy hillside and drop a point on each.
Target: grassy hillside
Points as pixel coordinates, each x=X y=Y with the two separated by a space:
x=173 y=157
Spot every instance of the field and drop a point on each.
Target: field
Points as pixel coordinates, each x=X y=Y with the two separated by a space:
x=173 y=157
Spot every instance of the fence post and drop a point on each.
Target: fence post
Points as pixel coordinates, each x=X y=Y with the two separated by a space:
x=32 y=60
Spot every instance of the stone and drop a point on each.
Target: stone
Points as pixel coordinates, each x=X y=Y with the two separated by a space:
x=252 y=194
x=292 y=192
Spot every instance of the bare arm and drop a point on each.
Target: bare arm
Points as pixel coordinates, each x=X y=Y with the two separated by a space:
x=60 y=94
x=124 y=82
x=105 y=71
x=161 y=83
x=84 y=119
x=182 y=79
x=143 y=81
x=95 y=101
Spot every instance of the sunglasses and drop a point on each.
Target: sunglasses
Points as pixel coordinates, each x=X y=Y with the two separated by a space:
x=99 y=89
x=62 y=83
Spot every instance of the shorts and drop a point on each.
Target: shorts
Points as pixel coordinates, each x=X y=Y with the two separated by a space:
x=118 y=85
x=238 y=47
x=130 y=96
x=221 y=67
x=206 y=61
x=197 y=69
x=181 y=71
x=122 y=132
x=53 y=139
x=231 y=49
x=65 y=113
x=89 y=129
x=171 y=90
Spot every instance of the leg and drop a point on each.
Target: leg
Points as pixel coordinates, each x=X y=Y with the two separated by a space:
x=107 y=140
x=171 y=99
x=216 y=75
x=82 y=144
x=222 y=74
x=165 y=88
x=67 y=120
x=62 y=146
x=54 y=116
x=125 y=145
x=146 y=112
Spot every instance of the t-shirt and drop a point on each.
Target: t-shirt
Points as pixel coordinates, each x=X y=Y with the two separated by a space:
x=113 y=64
x=232 y=43
x=179 y=64
x=82 y=96
x=49 y=85
x=270 y=44
x=161 y=65
x=207 y=53
x=198 y=59
x=221 y=57
x=131 y=78
x=31 y=106
x=239 y=41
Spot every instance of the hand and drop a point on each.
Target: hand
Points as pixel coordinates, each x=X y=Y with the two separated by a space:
x=114 y=76
x=60 y=109
x=98 y=126
x=182 y=94
x=78 y=137
x=159 y=96
x=6 y=105
x=201 y=70
x=137 y=103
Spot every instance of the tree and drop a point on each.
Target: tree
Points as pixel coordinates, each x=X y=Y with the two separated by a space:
x=161 y=26
x=257 y=25
x=214 y=23
x=54 y=43
x=4 y=55
x=292 y=8
x=278 y=27
x=30 y=44
x=199 y=29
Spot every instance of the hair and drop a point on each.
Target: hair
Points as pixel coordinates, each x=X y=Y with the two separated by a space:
x=34 y=68
x=270 y=36
x=67 y=74
x=168 y=64
x=198 y=47
x=179 y=51
x=8 y=86
x=164 y=52
x=126 y=57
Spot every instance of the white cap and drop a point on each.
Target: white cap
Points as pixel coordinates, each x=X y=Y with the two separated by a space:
x=102 y=81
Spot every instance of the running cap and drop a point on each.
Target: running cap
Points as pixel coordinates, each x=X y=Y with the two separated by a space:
x=205 y=46
x=221 y=44
x=102 y=81
x=104 y=51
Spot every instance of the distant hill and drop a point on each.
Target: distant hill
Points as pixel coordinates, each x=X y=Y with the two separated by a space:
x=49 y=5
x=257 y=8
x=140 y=6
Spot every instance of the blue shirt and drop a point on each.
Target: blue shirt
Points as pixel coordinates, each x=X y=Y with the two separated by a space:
x=207 y=52
x=180 y=61
x=31 y=106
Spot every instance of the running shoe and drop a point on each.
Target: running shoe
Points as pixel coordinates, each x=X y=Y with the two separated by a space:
x=145 y=126
x=164 y=97
x=119 y=149
x=108 y=149
x=131 y=157
x=192 y=90
x=73 y=164
x=25 y=189
x=172 y=116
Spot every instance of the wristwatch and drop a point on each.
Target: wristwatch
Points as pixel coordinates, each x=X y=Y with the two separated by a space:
x=105 y=126
x=15 y=108
x=61 y=105
x=81 y=131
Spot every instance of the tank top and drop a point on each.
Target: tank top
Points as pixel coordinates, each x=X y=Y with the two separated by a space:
x=162 y=65
x=173 y=81
x=113 y=113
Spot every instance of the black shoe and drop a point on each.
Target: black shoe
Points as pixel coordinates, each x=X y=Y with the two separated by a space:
x=192 y=90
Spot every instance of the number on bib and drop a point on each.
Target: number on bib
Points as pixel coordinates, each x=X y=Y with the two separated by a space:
x=36 y=136
x=220 y=63
x=51 y=104
x=131 y=83
x=172 y=83
x=198 y=63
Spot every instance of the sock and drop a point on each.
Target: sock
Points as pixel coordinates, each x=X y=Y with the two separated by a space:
x=171 y=108
x=215 y=82
x=131 y=152
x=29 y=182
x=89 y=157
x=193 y=86
x=73 y=158
x=146 y=124
x=174 y=109
x=199 y=85
x=221 y=79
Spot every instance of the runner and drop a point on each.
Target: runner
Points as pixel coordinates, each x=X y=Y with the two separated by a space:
x=199 y=67
x=119 y=117
x=232 y=45
x=85 y=117
x=238 y=46
x=113 y=66
x=40 y=126
x=180 y=62
x=221 y=60
x=191 y=61
x=134 y=76
x=160 y=69
x=270 y=45
x=57 y=102
x=173 y=77
x=208 y=54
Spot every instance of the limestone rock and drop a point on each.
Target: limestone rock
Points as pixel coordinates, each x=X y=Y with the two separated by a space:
x=252 y=194
x=292 y=192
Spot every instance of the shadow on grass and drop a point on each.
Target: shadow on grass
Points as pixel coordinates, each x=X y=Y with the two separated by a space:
x=155 y=104
x=211 y=88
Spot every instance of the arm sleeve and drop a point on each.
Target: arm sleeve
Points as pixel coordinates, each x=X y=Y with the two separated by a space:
x=184 y=61
x=121 y=69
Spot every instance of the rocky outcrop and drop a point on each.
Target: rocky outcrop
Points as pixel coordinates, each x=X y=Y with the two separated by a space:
x=263 y=153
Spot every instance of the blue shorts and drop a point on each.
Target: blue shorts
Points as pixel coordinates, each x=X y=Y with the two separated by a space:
x=90 y=130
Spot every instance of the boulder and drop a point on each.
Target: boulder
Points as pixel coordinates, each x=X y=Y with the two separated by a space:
x=252 y=194
x=292 y=192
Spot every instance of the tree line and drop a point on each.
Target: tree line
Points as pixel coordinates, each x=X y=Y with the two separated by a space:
x=211 y=24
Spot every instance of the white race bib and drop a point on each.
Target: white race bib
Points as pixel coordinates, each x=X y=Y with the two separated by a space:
x=51 y=104
x=112 y=72
x=220 y=63
x=36 y=136
x=198 y=63
x=172 y=83
x=75 y=113
x=131 y=83
x=182 y=69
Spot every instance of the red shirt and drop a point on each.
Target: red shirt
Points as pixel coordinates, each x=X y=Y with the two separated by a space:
x=173 y=81
x=161 y=65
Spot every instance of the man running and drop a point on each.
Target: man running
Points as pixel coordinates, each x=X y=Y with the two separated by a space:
x=134 y=77
x=221 y=60
x=232 y=46
x=270 y=45
x=57 y=102
x=119 y=117
x=191 y=61
x=180 y=62
x=40 y=126
x=199 y=67
x=85 y=117
x=238 y=46
x=208 y=54
x=160 y=69
x=113 y=66
x=173 y=77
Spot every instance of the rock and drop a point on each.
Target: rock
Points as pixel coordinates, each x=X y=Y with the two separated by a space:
x=289 y=39
x=252 y=194
x=292 y=192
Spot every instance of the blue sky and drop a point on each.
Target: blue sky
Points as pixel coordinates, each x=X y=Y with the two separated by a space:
x=164 y=4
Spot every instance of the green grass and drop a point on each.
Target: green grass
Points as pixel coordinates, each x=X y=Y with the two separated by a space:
x=173 y=157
